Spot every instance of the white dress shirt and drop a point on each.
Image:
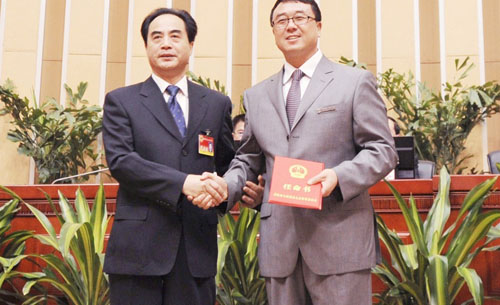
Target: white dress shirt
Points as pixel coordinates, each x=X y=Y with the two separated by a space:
x=182 y=94
x=307 y=68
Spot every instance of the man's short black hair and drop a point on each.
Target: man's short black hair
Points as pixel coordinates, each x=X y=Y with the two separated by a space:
x=314 y=6
x=237 y=119
x=191 y=27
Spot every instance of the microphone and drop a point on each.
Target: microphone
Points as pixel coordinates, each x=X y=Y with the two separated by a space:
x=80 y=175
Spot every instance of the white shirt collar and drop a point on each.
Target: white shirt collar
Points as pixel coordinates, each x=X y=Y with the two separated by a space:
x=162 y=84
x=307 y=68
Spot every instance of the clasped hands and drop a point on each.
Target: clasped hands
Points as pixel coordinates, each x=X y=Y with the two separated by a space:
x=205 y=191
x=209 y=190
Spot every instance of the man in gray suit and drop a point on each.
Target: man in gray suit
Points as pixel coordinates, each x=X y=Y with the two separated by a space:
x=314 y=109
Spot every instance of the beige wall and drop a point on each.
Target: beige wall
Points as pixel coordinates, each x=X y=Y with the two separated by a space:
x=492 y=61
x=18 y=64
x=212 y=54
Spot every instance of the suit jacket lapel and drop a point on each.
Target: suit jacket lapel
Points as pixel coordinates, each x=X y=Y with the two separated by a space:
x=322 y=76
x=275 y=92
x=197 y=110
x=155 y=102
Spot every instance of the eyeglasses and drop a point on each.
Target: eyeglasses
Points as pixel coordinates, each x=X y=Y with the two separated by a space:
x=282 y=22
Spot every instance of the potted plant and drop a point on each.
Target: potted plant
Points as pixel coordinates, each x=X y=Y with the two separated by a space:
x=238 y=276
x=12 y=247
x=59 y=139
x=440 y=122
x=75 y=268
x=434 y=267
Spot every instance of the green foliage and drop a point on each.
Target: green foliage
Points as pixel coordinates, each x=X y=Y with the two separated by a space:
x=440 y=123
x=351 y=63
x=75 y=266
x=206 y=82
x=238 y=275
x=59 y=139
x=434 y=268
x=12 y=246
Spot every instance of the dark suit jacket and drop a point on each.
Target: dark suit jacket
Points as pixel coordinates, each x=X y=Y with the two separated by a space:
x=147 y=155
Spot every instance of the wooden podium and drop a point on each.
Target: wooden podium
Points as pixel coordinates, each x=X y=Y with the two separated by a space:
x=487 y=264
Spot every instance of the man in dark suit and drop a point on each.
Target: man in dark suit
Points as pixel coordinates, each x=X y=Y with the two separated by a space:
x=159 y=136
x=314 y=109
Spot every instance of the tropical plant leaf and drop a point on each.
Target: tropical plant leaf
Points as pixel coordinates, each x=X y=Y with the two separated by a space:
x=471 y=236
x=409 y=253
x=413 y=227
x=415 y=291
x=474 y=283
x=99 y=219
x=82 y=208
x=392 y=242
x=437 y=276
x=67 y=211
x=438 y=214
x=238 y=278
x=68 y=231
x=44 y=221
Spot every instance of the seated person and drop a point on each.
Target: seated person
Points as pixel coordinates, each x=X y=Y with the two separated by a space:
x=394 y=127
x=253 y=192
x=238 y=127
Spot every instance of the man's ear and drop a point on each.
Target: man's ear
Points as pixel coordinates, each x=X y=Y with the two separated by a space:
x=191 y=45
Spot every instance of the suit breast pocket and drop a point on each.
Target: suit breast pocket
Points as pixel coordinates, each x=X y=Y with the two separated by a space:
x=327 y=117
x=322 y=111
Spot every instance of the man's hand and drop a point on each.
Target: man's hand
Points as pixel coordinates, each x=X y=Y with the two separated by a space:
x=253 y=193
x=328 y=179
x=214 y=191
x=205 y=191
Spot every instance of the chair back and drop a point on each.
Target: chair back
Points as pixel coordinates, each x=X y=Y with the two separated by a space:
x=493 y=159
x=426 y=169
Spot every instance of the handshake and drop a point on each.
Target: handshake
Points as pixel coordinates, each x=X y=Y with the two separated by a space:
x=205 y=191
x=209 y=190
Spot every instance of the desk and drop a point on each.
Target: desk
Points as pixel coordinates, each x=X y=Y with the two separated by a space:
x=423 y=190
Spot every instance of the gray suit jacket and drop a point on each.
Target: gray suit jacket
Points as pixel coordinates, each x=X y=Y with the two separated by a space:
x=342 y=122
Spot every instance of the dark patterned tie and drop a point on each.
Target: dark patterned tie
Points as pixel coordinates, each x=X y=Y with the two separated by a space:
x=176 y=110
x=293 y=97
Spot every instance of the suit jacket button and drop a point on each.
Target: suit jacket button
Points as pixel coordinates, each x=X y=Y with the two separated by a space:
x=184 y=152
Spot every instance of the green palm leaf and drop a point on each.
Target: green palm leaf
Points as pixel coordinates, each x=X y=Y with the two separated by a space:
x=439 y=212
x=413 y=227
x=68 y=231
x=67 y=212
x=82 y=207
x=474 y=283
x=415 y=291
x=409 y=253
x=46 y=224
x=437 y=276
x=99 y=219
x=392 y=242
x=471 y=236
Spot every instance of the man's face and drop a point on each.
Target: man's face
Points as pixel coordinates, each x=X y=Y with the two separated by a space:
x=168 y=47
x=296 y=41
x=238 y=130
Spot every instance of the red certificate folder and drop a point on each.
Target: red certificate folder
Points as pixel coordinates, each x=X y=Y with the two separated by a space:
x=289 y=183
